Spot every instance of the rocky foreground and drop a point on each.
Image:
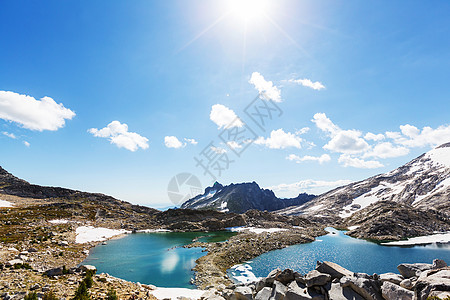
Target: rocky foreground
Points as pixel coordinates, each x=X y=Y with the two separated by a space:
x=330 y=281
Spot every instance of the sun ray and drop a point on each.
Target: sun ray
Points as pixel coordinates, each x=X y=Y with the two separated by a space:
x=204 y=31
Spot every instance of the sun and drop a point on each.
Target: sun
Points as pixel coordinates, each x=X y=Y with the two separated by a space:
x=248 y=10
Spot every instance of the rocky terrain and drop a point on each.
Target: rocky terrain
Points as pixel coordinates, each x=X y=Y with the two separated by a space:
x=239 y=198
x=392 y=221
x=423 y=183
x=331 y=281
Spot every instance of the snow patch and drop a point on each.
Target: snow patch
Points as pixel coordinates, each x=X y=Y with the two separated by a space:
x=422 y=240
x=316 y=207
x=86 y=234
x=4 y=203
x=243 y=273
x=153 y=230
x=255 y=229
x=440 y=156
x=175 y=293
x=353 y=227
x=59 y=221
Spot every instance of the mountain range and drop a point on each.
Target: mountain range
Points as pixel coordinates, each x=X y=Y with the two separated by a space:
x=239 y=198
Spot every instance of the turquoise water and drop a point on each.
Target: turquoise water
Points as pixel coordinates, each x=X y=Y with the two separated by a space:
x=153 y=258
x=353 y=254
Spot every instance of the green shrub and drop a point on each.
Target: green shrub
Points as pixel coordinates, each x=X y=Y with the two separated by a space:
x=49 y=296
x=82 y=292
x=88 y=280
x=111 y=295
x=31 y=296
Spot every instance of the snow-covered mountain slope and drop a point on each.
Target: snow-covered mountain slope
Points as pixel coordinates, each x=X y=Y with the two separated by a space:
x=239 y=198
x=422 y=183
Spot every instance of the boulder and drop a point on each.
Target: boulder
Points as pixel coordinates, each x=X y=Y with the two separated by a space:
x=439 y=263
x=272 y=276
x=408 y=283
x=391 y=277
x=392 y=291
x=435 y=282
x=411 y=270
x=14 y=262
x=242 y=293
x=264 y=294
x=316 y=278
x=367 y=288
x=87 y=268
x=54 y=272
x=337 y=292
x=259 y=285
x=333 y=269
x=286 y=276
x=279 y=291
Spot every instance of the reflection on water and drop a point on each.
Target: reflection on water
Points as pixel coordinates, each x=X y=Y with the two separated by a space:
x=354 y=254
x=153 y=258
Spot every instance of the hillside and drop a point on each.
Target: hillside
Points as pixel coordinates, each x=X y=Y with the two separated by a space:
x=423 y=183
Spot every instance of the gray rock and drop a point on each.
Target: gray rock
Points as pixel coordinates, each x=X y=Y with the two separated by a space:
x=439 y=263
x=271 y=277
x=411 y=270
x=279 y=291
x=35 y=287
x=86 y=268
x=54 y=272
x=242 y=293
x=408 y=283
x=264 y=294
x=286 y=276
x=392 y=291
x=14 y=262
x=333 y=269
x=260 y=285
x=315 y=278
x=294 y=291
x=436 y=281
x=367 y=288
x=391 y=277
x=337 y=292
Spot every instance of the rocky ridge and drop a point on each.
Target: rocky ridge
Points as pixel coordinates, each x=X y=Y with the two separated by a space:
x=241 y=197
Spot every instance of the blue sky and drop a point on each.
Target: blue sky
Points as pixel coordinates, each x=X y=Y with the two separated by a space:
x=338 y=70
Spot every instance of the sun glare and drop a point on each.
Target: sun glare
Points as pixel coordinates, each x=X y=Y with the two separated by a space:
x=248 y=9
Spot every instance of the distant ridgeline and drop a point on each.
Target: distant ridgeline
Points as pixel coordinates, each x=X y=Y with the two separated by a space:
x=239 y=198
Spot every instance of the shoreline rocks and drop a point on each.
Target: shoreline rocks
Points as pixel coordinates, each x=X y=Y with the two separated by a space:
x=329 y=281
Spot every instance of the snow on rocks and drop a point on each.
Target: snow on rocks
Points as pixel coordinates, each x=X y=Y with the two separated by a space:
x=255 y=229
x=86 y=234
x=175 y=293
x=422 y=240
x=4 y=203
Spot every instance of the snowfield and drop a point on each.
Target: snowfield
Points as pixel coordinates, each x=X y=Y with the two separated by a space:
x=4 y=203
x=86 y=234
x=423 y=240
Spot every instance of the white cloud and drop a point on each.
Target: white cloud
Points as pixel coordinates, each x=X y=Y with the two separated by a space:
x=280 y=140
x=265 y=88
x=191 y=141
x=43 y=114
x=386 y=150
x=325 y=124
x=308 y=83
x=348 y=142
x=320 y=159
x=374 y=137
x=119 y=135
x=173 y=142
x=309 y=186
x=303 y=131
x=234 y=145
x=349 y=161
x=218 y=150
x=26 y=143
x=10 y=135
x=224 y=117
x=411 y=136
